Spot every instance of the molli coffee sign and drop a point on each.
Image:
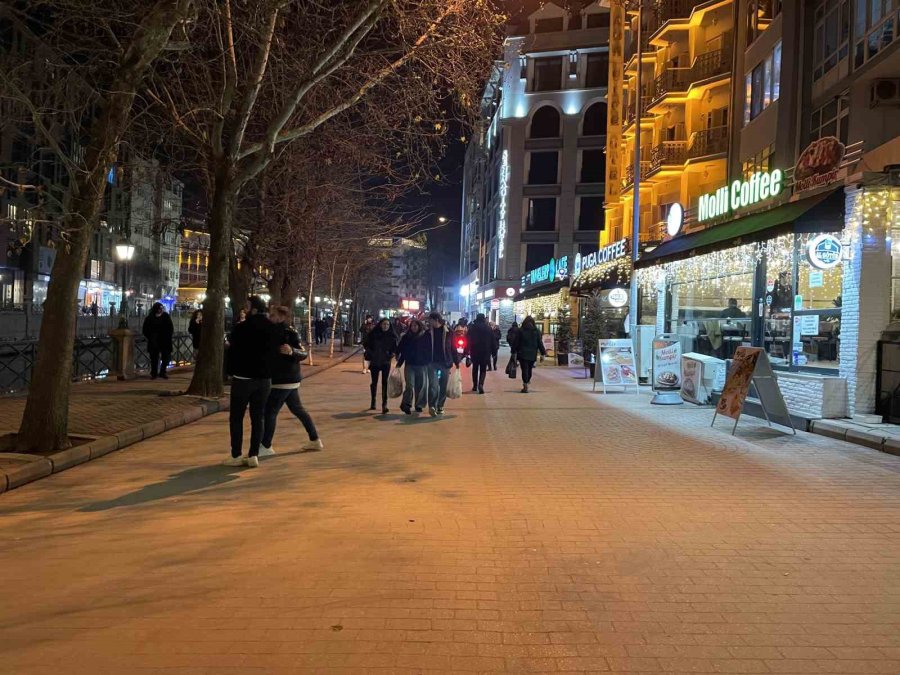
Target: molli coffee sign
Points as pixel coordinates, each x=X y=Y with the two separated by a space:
x=820 y=164
x=547 y=273
x=740 y=194
x=612 y=252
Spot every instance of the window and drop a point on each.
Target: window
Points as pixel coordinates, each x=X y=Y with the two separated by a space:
x=590 y=217
x=832 y=35
x=597 y=70
x=875 y=26
x=545 y=123
x=543 y=168
x=760 y=14
x=832 y=119
x=593 y=166
x=537 y=255
x=817 y=310
x=598 y=20
x=762 y=85
x=542 y=214
x=595 y=120
x=761 y=162
x=548 y=25
x=547 y=74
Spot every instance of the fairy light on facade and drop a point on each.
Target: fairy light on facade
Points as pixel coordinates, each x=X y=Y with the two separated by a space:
x=504 y=190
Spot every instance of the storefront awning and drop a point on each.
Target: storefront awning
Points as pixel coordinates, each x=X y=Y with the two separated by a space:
x=542 y=290
x=820 y=213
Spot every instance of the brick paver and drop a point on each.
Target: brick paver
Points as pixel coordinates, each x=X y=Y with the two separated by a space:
x=560 y=531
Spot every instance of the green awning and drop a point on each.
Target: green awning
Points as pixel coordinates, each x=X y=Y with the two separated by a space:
x=820 y=213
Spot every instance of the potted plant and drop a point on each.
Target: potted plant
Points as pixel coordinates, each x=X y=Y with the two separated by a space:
x=563 y=334
x=592 y=329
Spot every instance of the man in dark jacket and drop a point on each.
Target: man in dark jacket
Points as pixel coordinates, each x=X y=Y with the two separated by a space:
x=252 y=349
x=480 y=346
x=158 y=330
x=414 y=354
x=286 y=378
x=441 y=356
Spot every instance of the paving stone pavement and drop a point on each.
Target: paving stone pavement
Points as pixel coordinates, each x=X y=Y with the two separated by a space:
x=559 y=531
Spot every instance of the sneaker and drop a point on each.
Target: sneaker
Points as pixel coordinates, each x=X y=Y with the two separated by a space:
x=418 y=410
x=266 y=452
x=433 y=412
x=234 y=461
x=252 y=461
x=440 y=411
x=313 y=445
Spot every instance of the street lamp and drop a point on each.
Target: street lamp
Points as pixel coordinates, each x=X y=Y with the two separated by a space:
x=442 y=219
x=124 y=252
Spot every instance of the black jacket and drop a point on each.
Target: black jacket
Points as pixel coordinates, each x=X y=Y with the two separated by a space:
x=159 y=331
x=381 y=345
x=286 y=367
x=481 y=341
x=512 y=337
x=495 y=347
x=194 y=329
x=413 y=349
x=439 y=348
x=254 y=347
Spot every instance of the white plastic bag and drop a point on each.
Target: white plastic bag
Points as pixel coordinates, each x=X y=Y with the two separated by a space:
x=395 y=384
x=454 y=387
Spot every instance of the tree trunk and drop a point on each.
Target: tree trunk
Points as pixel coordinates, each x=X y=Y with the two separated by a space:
x=240 y=280
x=309 y=314
x=207 y=380
x=339 y=305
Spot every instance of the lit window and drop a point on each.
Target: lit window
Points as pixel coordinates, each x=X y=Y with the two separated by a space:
x=832 y=34
x=762 y=85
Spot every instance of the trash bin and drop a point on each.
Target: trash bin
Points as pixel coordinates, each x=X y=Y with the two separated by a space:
x=348 y=338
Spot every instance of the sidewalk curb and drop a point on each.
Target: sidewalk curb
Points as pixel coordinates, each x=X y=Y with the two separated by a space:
x=35 y=467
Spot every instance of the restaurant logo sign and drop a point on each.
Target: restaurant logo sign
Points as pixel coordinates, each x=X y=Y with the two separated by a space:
x=825 y=251
x=820 y=164
x=740 y=194
x=547 y=273
x=504 y=190
x=612 y=252
x=618 y=297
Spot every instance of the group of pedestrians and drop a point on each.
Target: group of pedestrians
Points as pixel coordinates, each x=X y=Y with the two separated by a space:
x=264 y=355
x=428 y=354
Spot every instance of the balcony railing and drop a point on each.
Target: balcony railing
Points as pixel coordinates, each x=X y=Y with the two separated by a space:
x=629 y=112
x=713 y=63
x=668 y=153
x=674 y=9
x=628 y=180
x=710 y=141
x=671 y=79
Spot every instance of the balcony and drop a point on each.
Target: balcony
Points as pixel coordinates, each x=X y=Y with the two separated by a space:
x=666 y=10
x=628 y=180
x=629 y=111
x=668 y=153
x=671 y=79
x=713 y=63
x=712 y=141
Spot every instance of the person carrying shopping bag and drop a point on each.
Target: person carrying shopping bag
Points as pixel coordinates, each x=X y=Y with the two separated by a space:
x=414 y=356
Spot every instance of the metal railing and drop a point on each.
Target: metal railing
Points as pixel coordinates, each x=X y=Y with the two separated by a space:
x=667 y=10
x=668 y=153
x=713 y=63
x=671 y=79
x=628 y=180
x=712 y=141
x=629 y=111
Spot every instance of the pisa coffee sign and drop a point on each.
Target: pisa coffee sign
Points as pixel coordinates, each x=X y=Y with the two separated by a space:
x=820 y=165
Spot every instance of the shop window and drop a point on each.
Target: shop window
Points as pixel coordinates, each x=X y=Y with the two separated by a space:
x=590 y=215
x=597 y=70
x=760 y=14
x=595 y=120
x=761 y=162
x=548 y=25
x=875 y=26
x=547 y=74
x=543 y=168
x=542 y=214
x=593 y=166
x=545 y=123
x=817 y=310
x=762 y=85
x=832 y=119
x=598 y=20
x=537 y=255
x=832 y=34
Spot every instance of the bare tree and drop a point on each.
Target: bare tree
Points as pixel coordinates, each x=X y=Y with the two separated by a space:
x=74 y=83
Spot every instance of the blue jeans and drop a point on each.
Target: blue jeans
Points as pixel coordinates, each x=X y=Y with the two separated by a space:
x=438 y=377
x=416 y=385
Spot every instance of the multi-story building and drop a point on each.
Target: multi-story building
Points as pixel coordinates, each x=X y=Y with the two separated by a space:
x=193 y=260
x=769 y=145
x=407 y=261
x=534 y=172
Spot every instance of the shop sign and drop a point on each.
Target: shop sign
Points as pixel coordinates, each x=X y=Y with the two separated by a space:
x=612 y=252
x=740 y=194
x=495 y=303
x=819 y=164
x=504 y=190
x=816 y=279
x=809 y=325
x=547 y=341
x=510 y=292
x=675 y=219
x=666 y=363
x=825 y=251
x=615 y=146
x=547 y=273
x=618 y=297
x=616 y=367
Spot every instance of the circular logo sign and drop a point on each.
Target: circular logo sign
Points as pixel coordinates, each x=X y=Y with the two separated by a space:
x=824 y=251
x=675 y=219
x=510 y=292
x=618 y=297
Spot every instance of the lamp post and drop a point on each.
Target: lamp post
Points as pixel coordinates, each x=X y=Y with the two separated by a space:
x=124 y=253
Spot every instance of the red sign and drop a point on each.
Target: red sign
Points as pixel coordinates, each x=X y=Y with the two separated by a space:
x=819 y=165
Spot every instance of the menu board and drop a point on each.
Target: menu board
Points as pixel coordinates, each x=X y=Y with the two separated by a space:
x=615 y=365
x=547 y=341
x=666 y=363
x=691 y=380
x=737 y=384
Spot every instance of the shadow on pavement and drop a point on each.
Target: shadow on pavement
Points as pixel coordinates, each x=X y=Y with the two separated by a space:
x=354 y=415
x=185 y=482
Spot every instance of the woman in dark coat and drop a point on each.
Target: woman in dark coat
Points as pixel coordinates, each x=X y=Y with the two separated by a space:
x=480 y=347
x=381 y=345
x=195 y=326
x=495 y=346
x=158 y=330
x=528 y=346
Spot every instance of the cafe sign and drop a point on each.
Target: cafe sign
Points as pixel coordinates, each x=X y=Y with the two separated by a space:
x=740 y=194
x=825 y=252
x=820 y=164
x=612 y=252
x=547 y=273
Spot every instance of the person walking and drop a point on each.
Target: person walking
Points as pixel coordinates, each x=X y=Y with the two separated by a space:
x=381 y=343
x=442 y=356
x=158 y=330
x=528 y=345
x=364 y=330
x=495 y=346
x=414 y=356
x=480 y=346
x=286 y=377
x=253 y=346
x=195 y=326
